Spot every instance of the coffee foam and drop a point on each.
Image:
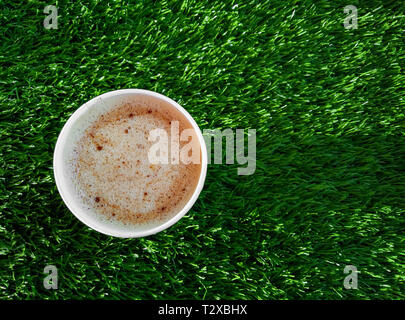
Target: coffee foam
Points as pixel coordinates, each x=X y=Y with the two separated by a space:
x=111 y=171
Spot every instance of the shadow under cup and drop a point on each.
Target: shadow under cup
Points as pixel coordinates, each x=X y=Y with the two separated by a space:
x=74 y=130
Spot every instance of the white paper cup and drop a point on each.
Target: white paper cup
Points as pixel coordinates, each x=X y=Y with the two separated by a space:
x=75 y=127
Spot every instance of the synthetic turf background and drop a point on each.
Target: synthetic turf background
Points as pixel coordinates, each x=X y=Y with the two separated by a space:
x=327 y=104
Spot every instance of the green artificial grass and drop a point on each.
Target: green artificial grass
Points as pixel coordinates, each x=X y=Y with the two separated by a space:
x=327 y=104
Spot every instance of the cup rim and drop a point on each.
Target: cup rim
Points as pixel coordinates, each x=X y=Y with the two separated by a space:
x=68 y=200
